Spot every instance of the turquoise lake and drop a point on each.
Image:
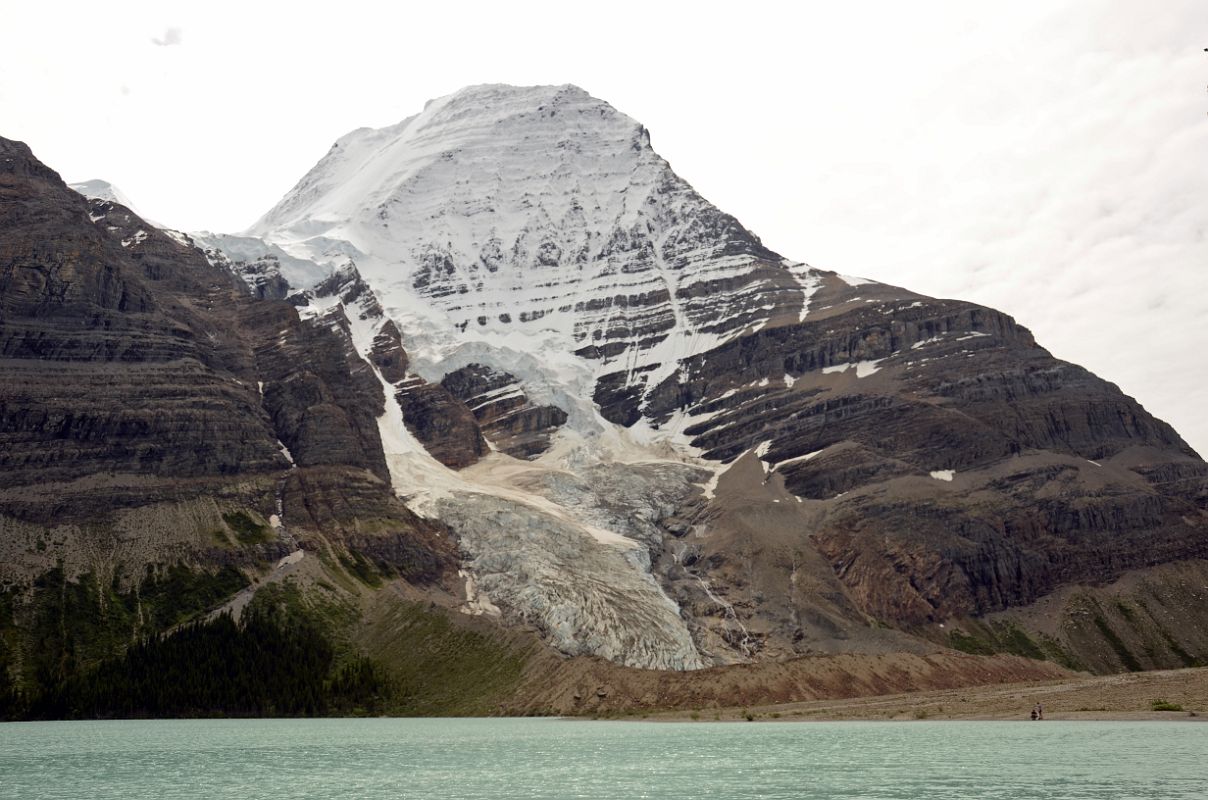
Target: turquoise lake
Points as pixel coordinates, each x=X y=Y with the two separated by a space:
x=550 y=758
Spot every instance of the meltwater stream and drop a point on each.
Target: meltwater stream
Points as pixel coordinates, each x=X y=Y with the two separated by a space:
x=532 y=759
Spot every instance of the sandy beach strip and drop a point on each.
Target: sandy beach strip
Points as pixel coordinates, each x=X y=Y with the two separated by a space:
x=1177 y=695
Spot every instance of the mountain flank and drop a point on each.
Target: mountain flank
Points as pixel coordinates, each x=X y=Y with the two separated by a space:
x=496 y=414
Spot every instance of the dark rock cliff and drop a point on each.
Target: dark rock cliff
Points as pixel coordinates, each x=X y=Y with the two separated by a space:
x=441 y=421
x=508 y=418
x=145 y=390
x=117 y=346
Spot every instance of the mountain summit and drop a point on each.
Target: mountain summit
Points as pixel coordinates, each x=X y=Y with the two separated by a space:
x=528 y=211
x=98 y=189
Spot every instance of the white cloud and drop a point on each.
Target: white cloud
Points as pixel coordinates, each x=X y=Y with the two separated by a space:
x=170 y=37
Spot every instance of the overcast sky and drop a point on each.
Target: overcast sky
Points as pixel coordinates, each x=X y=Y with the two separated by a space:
x=1046 y=158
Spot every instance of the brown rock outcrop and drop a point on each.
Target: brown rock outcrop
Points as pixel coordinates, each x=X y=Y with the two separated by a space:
x=441 y=422
x=508 y=418
x=952 y=466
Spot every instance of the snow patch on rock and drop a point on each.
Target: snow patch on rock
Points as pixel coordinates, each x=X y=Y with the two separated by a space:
x=863 y=368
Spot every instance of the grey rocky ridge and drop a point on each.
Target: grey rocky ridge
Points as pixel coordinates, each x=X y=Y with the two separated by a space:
x=497 y=376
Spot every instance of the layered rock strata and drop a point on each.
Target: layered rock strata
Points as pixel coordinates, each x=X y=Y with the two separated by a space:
x=148 y=399
x=512 y=422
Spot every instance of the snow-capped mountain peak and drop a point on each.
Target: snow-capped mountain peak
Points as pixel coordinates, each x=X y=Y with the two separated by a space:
x=97 y=189
x=504 y=213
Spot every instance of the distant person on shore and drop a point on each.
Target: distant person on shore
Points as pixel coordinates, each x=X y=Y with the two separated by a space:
x=1039 y=711
x=1034 y=713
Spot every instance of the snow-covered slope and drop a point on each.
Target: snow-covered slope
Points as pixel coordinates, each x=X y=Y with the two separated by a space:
x=97 y=189
x=259 y=263
x=536 y=219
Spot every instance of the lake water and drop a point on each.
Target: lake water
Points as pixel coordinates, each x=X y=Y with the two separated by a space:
x=549 y=758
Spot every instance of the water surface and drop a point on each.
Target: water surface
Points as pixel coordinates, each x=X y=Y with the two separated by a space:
x=502 y=759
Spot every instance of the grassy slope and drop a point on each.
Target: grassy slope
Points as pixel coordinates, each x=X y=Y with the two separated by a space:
x=443 y=663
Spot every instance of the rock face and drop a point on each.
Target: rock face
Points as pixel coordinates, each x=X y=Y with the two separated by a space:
x=441 y=422
x=966 y=469
x=436 y=418
x=323 y=399
x=268 y=272
x=262 y=275
x=146 y=393
x=507 y=417
x=114 y=357
x=387 y=353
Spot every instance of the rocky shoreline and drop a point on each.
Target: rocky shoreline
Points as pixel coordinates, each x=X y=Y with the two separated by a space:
x=1172 y=695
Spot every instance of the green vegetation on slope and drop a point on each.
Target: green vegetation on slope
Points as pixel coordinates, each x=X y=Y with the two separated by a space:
x=246 y=529
x=9 y=698
x=266 y=665
x=441 y=667
x=988 y=638
x=86 y=648
x=280 y=659
x=1118 y=647
x=60 y=628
